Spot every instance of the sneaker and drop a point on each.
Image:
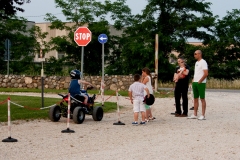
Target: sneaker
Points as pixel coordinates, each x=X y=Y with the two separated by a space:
x=201 y=118
x=135 y=123
x=191 y=108
x=192 y=117
x=142 y=123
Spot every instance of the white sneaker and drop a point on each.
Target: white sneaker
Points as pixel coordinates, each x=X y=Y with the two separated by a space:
x=192 y=117
x=201 y=118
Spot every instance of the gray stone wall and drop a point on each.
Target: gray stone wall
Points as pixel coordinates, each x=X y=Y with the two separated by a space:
x=120 y=82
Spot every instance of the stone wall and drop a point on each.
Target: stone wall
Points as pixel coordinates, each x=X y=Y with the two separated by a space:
x=120 y=82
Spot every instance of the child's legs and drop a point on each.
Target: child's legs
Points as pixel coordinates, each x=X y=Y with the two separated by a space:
x=147 y=111
x=181 y=76
x=143 y=116
x=85 y=98
x=142 y=110
x=135 y=116
x=136 y=109
x=150 y=112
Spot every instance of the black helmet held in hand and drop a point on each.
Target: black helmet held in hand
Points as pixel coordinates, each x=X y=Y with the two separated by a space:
x=75 y=74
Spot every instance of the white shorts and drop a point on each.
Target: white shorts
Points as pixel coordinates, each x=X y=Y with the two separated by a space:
x=138 y=106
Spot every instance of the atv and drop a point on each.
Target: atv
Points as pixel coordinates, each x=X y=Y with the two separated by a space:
x=78 y=109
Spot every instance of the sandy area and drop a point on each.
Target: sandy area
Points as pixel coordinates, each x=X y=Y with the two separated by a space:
x=167 y=137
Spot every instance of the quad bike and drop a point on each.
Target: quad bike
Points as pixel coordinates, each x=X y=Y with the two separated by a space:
x=77 y=108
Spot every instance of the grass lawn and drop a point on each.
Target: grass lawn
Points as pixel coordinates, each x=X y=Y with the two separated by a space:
x=31 y=107
x=33 y=104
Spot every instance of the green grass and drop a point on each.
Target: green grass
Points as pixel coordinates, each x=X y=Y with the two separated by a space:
x=33 y=104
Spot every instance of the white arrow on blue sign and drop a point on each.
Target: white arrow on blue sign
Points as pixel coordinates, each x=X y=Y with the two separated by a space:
x=102 y=38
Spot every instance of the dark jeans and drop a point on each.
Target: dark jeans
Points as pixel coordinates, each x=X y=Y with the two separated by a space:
x=181 y=91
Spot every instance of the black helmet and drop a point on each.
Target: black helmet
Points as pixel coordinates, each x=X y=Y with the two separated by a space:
x=75 y=74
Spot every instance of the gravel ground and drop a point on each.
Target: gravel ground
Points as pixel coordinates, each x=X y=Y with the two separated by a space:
x=166 y=137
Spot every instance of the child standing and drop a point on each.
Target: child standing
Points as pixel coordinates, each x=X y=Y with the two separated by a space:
x=136 y=94
x=147 y=80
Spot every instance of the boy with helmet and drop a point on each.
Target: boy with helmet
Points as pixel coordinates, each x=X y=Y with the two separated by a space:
x=75 y=84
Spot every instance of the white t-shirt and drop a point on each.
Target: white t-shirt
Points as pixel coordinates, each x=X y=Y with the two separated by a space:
x=149 y=86
x=198 y=71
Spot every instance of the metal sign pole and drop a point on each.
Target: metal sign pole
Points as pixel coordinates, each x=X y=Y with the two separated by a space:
x=82 y=61
x=102 y=74
x=102 y=38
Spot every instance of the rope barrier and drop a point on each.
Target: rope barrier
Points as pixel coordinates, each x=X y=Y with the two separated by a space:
x=5 y=101
x=30 y=108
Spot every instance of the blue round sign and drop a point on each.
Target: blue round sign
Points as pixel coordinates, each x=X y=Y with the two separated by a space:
x=102 y=38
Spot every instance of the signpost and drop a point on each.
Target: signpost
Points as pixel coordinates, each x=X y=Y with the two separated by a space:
x=102 y=38
x=42 y=78
x=82 y=36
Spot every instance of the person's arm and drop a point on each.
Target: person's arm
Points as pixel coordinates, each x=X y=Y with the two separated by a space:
x=130 y=96
x=148 y=94
x=205 y=74
x=205 y=71
x=145 y=80
x=85 y=82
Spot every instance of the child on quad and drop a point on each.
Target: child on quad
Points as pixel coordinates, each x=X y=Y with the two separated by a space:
x=75 y=85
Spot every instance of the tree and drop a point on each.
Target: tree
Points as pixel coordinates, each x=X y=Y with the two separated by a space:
x=24 y=45
x=174 y=21
x=79 y=13
x=8 y=9
x=226 y=44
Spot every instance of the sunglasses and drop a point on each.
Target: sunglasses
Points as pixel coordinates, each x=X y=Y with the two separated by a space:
x=195 y=53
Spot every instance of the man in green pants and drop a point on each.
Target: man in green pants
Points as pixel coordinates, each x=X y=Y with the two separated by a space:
x=199 y=84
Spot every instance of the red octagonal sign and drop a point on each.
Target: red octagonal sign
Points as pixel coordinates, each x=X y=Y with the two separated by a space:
x=82 y=36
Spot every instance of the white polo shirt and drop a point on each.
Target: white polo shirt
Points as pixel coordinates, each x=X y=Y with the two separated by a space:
x=198 y=71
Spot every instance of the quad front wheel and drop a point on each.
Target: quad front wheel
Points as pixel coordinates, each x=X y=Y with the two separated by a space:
x=97 y=113
x=55 y=113
x=78 y=115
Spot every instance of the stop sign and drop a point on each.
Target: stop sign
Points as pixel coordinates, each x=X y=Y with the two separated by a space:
x=82 y=36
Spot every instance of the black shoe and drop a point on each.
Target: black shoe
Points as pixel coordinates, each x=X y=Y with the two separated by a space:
x=177 y=115
x=183 y=115
x=191 y=108
x=173 y=113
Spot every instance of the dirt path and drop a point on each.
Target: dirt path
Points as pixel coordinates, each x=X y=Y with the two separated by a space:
x=165 y=138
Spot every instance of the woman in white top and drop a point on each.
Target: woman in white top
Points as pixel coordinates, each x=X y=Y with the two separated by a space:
x=147 y=80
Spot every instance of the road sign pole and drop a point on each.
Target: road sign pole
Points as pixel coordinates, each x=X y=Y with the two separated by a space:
x=102 y=38
x=82 y=36
x=82 y=61
x=103 y=74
